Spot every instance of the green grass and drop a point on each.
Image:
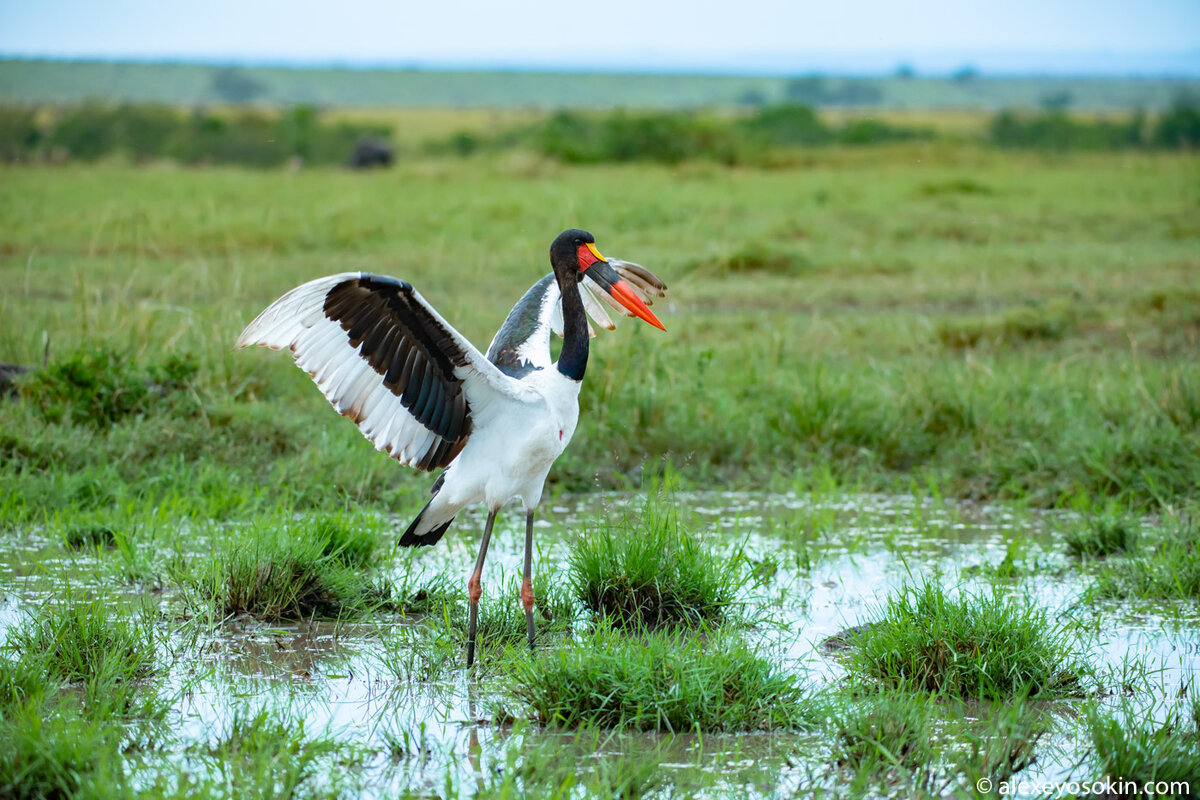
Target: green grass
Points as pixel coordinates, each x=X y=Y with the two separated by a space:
x=89 y=535
x=808 y=351
x=1103 y=534
x=98 y=385
x=660 y=681
x=970 y=646
x=435 y=640
x=617 y=766
x=74 y=691
x=651 y=572
x=885 y=734
x=267 y=754
x=85 y=641
x=827 y=361
x=1007 y=744
x=322 y=566
x=1129 y=746
x=60 y=754
x=1164 y=569
x=925 y=745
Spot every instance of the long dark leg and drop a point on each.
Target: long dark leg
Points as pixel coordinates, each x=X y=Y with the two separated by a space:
x=475 y=587
x=527 y=581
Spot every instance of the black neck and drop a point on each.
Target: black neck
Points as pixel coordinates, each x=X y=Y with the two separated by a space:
x=572 y=360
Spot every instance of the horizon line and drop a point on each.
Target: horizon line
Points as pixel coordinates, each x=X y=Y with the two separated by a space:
x=664 y=66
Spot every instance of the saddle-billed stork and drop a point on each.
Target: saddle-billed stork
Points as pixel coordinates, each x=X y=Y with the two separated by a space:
x=420 y=391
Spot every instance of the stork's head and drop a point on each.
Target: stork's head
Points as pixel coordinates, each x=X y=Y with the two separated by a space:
x=574 y=253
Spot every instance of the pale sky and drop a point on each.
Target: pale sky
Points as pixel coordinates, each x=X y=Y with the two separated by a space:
x=610 y=35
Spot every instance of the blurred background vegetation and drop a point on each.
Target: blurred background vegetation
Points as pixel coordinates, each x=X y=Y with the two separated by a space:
x=992 y=292
x=761 y=137
x=54 y=111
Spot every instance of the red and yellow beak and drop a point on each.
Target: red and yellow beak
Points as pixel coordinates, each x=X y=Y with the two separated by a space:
x=599 y=270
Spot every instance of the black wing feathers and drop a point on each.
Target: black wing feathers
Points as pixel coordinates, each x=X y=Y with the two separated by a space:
x=413 y=354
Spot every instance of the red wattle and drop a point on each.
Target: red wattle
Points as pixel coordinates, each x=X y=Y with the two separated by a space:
x=586 y=257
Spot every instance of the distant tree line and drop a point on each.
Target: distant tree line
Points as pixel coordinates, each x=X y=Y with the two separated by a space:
x=1053 y=129
x=146 y=132
x=671 y=137
x=760 y=137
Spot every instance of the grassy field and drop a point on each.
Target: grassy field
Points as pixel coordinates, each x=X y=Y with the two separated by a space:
x=32 y=81
x=999 y=326
x=193 y=545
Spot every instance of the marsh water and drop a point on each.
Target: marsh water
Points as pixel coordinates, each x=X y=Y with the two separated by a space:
x=822 y=565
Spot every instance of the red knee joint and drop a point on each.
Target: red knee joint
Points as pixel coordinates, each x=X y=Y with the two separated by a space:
x=474 y=588
x=527 y=595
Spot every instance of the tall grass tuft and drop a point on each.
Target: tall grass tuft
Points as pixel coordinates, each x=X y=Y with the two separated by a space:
x=654 y=573
x=266 y=754
x=86 y=640
x=277 y=570
x=65 y=675
x=57 y=753
x=1004 y=747
x=664 y=681
x=977 y=646
x=1104 y=534
x=613 y=765
x=885 y=739
x=1167 y=570
x=1131 y=747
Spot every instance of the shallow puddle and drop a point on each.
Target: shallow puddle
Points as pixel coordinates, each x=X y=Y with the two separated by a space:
x=822 y=565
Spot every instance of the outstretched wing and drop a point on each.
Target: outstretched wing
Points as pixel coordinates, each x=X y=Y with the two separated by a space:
x=522 y=344
x=385 y=358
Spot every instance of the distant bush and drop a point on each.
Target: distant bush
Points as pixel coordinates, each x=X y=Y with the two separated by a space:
x=146 y=131
x=1055 y=130
x=19 y=133
x=674 y=137
x=100 y=386
x=234 y=85
x=1179 y=127
x=819 y=91
x=248 y=138
x=873 y=131
x=667 y=138
x=789 y=124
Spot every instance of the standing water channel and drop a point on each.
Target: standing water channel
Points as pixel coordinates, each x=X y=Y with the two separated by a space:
x=394 y=723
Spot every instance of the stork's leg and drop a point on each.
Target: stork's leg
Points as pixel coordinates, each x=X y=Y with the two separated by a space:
x=527 y=581
x=475 y=587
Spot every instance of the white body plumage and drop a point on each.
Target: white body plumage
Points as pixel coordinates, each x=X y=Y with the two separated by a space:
x=510 y=454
